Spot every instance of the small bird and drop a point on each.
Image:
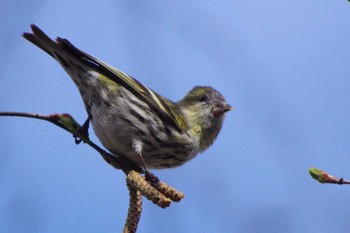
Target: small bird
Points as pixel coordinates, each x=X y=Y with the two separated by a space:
x=130 y=119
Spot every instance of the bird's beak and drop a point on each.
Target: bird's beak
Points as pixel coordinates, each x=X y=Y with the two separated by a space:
x=228 y=108
x=221 y=109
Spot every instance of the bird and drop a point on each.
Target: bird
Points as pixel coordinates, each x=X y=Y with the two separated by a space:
x=131 y=120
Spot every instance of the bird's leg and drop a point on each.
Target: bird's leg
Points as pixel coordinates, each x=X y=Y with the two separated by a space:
x=84 y=130
x=149 y=176
x=137 y=147
x=143 y=163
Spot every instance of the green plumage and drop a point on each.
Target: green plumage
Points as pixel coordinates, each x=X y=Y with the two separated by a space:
x=130 y=119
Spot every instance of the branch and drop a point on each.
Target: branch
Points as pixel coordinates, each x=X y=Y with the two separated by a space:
x=68 y=123
x=325 y=178
x=149 y=186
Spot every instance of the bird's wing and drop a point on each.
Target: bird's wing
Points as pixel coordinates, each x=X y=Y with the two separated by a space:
x=167 y=111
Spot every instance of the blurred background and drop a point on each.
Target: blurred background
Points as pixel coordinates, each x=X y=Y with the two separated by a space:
x=283 y=65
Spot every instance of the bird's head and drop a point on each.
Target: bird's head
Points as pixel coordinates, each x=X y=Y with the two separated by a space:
x=205 y=109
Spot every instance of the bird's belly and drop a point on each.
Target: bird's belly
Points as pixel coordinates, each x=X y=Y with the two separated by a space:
x=159 y=150
x=118 y=125
x=156 y=155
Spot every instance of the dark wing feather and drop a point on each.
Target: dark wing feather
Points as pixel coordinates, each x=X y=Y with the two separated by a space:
x=167 y=111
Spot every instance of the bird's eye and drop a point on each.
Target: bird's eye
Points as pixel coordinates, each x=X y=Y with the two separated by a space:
x=203 y=98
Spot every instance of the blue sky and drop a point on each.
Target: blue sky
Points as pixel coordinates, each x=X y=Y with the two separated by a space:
x=283 y=65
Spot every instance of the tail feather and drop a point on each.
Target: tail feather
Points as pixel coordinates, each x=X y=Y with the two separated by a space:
x=67 y=54
x=61 y=48
x=40 y=39
x=55 y=48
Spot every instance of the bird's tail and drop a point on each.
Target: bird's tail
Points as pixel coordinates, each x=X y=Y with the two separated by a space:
x=40 y=39
x=60 y=49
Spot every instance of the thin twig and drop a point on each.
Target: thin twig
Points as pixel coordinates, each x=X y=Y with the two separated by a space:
x=67 y=122
x=325 y=178
x=150 y=186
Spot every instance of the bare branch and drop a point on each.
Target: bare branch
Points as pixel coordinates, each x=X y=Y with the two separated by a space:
x=150 y=186
x=68 y=123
